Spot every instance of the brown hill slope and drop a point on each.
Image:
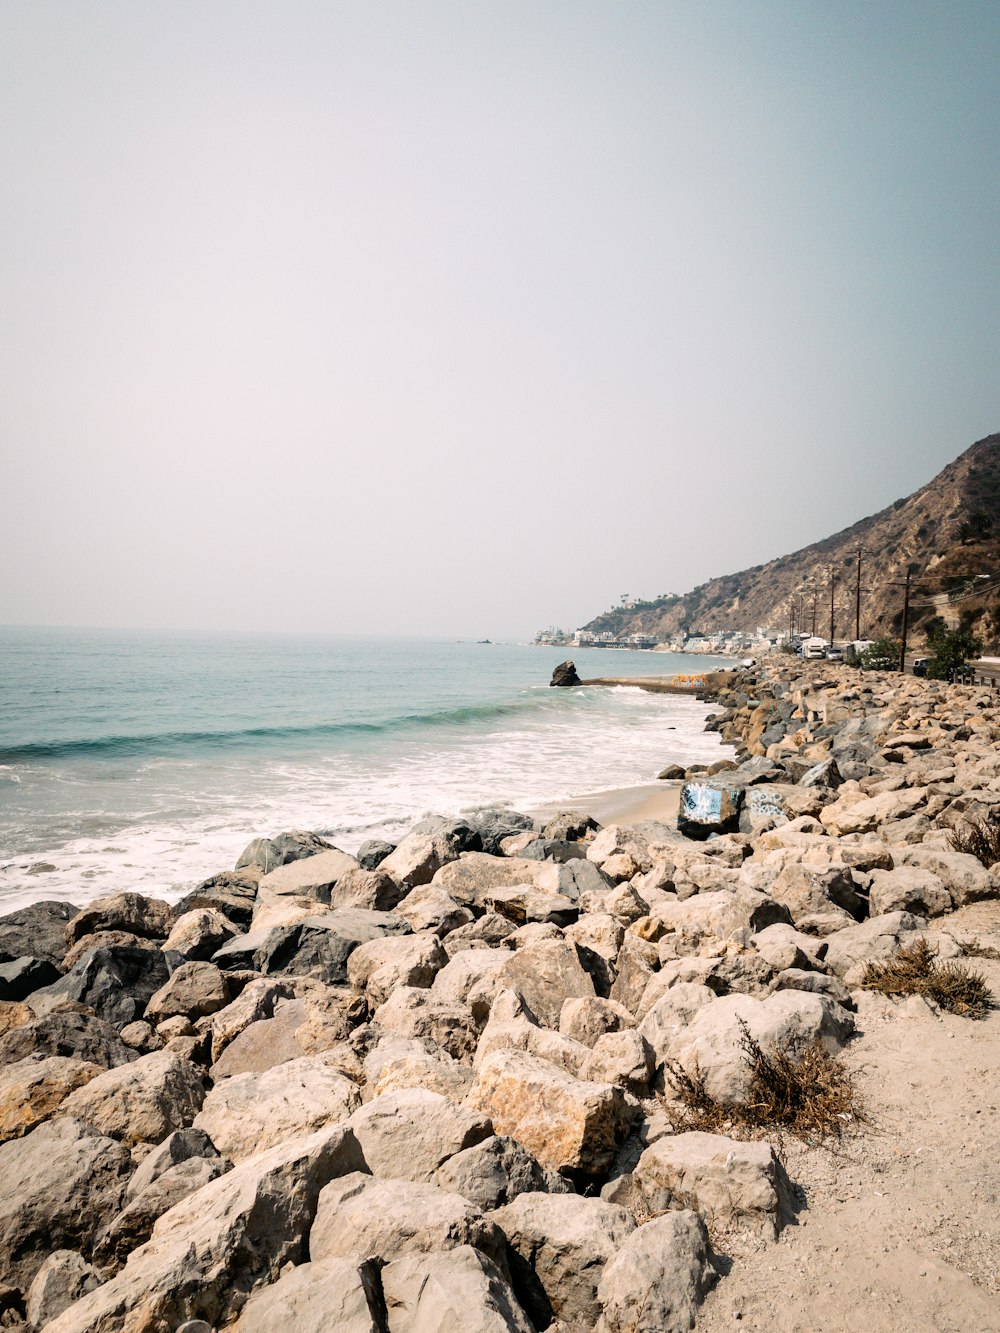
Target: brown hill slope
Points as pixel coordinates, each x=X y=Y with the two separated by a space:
x=946 y=533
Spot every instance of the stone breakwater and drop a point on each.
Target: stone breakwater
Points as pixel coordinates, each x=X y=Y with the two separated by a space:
x=424 y=1087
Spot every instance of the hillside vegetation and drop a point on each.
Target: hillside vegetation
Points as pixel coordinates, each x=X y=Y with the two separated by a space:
x=945 y=534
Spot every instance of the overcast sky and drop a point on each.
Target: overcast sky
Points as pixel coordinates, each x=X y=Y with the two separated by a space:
x=469 y=318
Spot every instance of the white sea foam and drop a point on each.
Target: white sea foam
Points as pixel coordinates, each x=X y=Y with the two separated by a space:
x=199 y=816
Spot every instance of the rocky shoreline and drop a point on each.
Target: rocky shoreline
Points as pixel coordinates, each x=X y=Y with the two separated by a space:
x=429 y=1087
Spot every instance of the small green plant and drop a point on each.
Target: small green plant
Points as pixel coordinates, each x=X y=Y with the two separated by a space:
x=915 y=971
x=810 y=1095
x=979 y=838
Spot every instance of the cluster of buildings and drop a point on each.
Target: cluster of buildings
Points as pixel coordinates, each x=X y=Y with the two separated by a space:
x=736 y=643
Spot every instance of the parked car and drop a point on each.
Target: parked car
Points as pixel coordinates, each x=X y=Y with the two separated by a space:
x=920 y=666
x=834 y=654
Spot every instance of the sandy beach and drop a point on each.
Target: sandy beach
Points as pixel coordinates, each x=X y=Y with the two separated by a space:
x=624 y=805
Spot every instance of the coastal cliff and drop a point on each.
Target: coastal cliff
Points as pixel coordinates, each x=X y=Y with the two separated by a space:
x=498 y=1073
x=945 y=533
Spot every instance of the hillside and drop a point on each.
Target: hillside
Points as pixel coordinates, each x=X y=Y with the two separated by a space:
x=945 y=534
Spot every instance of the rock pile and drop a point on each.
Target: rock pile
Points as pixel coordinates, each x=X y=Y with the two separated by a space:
x=424 y=1087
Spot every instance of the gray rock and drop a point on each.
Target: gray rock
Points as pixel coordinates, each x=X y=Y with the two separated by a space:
x=250 y=1113
x=546 y=975
x=180 y=1146
x=495 y=1171
x=708 y=807
x=141 y=1102
x=658 y=1278
x=410 y=1133
x=63 y=1278
x=383 y=1219
x=269 y=853
x=79 y=1036
x=310 y=876
x=133 y=1226
x=316 y=946
x=230 y=893
x=370 y=889
x=325 y=1296
x=215 y=1247
x=495 y=824
x=39 y=930
x=457 y=1290
x=560 y=1245
x=564 y=674
x=849 y=949
x=116 y=983
x=372 y=853
x=59 y=1185
x=570 y=826
x=20 y=977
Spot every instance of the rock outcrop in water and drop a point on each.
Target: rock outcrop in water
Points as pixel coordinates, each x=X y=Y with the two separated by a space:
x=432 y=1088
x=565 y=674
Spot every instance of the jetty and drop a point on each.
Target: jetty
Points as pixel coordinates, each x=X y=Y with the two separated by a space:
x=699 y=682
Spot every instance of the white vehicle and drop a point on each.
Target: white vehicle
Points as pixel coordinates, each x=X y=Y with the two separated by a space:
x=814 y=650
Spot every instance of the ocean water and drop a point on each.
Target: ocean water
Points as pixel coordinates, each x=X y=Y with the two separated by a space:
x=147 y=761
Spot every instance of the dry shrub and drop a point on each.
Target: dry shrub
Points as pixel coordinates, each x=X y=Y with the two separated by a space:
x=811 y=1095
x=979 y=838
x=915 y=971
x=973 y=949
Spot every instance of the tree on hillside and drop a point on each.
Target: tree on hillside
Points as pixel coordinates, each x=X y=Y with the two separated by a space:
x=950 y=650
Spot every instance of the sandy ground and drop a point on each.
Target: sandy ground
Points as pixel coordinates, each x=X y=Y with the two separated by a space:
x=899 y=1227
x=625 y=805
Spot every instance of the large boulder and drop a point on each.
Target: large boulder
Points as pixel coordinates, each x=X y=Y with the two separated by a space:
x=180 y=1146
x=495 y=1171
x=961 y=874
x=564 y=674
x=708 y=807
x=39 y=930
x=133 y=1226
x=256 y=1001
x=266 y=854
x=379 y=966
x=116 y=983
x=383 y=1219
x=318 y=945
x=545 y=975
x=472 y=878
x=60 y=1183
x=848 y=950
x=330 y=1294
x=413 y=1012
x=458 y=1289
x=371 y=889
x=67 y=1033
x=141 y=1102
x=63 y=1278
x=908 y=889
x=194 y=990
x=566 y=1123
x=250 y=1113
x=712 y=1044
x=560 y=1246
x=408 y=1134
x=657 y=1278
x=198 y=933
x=149 y=917
x=209 y=1252
x=231 y=893
x=311 y=877
x=729 y=1183
x=21 y=977
x=495 y=824
x=418 y=858
x=33 y=1090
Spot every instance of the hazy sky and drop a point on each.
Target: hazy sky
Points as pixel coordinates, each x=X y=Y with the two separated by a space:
x=468 y=318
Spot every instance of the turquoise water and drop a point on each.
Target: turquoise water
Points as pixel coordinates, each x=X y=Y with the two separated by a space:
x=147 y=761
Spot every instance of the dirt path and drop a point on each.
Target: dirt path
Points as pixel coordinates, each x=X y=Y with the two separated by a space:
x=901 y=1226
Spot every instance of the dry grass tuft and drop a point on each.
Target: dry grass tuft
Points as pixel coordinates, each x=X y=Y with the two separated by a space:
x=978 y=838
x=973 y=949
x=914 y=971
x=811 y=1096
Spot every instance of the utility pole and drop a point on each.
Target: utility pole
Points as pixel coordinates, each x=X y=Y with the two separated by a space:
x=906 y=621
x=857 y=598
x=833 y=585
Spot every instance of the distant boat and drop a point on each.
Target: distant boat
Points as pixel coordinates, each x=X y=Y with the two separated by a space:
x=484 y=641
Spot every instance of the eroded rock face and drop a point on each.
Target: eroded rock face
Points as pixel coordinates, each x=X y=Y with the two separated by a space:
x=64 y=1277
x=39 y=930
x=460 y=1289
x=33 y=1090
x=116 y=983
